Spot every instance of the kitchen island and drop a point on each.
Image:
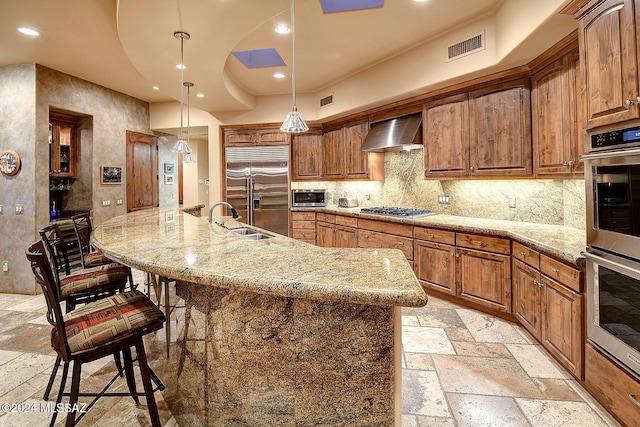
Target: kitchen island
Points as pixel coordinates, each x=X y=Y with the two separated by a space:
x=274 y=331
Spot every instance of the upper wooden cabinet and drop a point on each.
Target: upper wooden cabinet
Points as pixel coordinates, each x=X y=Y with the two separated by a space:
x=343 y=158
x=500 y=130
x=608 y=49
x=62 y=145
x=244 y=137
x=446 y=137
x=556 y=127
x=306 y=151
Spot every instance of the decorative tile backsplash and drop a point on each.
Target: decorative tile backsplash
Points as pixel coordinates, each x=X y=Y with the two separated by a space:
x=557 y=202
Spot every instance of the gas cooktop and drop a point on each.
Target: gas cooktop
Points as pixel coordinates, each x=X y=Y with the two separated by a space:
x=393 y=211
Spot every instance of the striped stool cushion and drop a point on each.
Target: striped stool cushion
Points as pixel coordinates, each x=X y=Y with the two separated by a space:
x=94 y=259
x=110 y=275
x=107 y=319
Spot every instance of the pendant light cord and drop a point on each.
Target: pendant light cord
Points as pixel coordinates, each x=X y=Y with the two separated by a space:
x=293 y=54
x=181 y=82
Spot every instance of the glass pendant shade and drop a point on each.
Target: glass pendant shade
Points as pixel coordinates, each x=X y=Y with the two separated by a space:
x=294 y=123
x=189 y=158
x=181 y=146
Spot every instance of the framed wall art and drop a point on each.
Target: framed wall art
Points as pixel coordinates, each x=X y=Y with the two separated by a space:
x=110 y=175
x=168 y=180
x=168 y=168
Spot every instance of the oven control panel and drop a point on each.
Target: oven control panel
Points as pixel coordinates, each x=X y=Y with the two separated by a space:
x=615 y=137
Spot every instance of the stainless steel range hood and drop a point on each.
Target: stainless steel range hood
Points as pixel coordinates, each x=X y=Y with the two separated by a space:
x=394 y=135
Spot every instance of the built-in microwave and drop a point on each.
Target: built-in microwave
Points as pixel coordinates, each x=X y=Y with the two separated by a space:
x=308 y=198
x=612 y=175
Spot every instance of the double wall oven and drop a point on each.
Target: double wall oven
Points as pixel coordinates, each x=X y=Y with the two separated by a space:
x=612 y=174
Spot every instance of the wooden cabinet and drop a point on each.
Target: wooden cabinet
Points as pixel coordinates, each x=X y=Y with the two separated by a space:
x=263 y=136
x=483 y=271
x=336 y=231
x=303 y=226
x=548 y=302
x=306 y=152
x=500 y=130
x=557 y=132
x=434 y=259
x=386 y=235
x=62 y=145
x=342 y=158
x=612 y=386
x=608 y=51
x=446 y=137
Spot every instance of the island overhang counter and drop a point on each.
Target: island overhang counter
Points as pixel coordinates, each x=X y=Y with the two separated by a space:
x=274 y=331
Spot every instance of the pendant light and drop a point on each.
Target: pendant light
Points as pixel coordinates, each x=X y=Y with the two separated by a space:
x=189 y=157
x=181 y=145
x=293 y=123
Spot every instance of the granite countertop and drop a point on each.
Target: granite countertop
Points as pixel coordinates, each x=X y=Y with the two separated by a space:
x=563 y=243
x=177 y=245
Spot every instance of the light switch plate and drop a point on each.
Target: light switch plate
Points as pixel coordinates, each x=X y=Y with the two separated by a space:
x=1 y=211
x=5 y=266
x=19 y=209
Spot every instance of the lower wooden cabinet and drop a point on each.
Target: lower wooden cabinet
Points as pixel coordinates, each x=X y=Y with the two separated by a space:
x=386 y=235
x=336 y=231
x=303 y=226
x=434 y=254
x=527 y=297
x=612 y=386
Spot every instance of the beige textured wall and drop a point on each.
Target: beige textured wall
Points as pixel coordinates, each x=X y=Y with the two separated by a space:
x=559 y=202
x=26 y=94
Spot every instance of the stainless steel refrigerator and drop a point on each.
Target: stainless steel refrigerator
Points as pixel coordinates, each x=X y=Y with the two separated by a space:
x=258 y=185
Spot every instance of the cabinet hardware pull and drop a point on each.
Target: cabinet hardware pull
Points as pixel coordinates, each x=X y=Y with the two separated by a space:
x=628 y=103
x=535 y=282
x=523 y=254
x=401 y=243
x=570 y=162
x=555 y=270
x=431 y=235
x=638 y=99
x=472 y=168
x=634 y=399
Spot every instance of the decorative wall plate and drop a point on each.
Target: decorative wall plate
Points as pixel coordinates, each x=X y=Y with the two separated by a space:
x=9 y=163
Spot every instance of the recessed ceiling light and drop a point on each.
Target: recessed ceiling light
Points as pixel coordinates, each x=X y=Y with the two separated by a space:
x=282 y=29
x=156 y=88
x=279 y=75
x=28 y=31
x=181 y=67
x=200 y=95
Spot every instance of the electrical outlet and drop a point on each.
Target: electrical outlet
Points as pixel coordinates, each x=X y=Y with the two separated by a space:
x=19 y=209
x=444 y=199
x=1 y=211
x=5 y=266
x=106 y=203
x=118 y=201
x=512 y=202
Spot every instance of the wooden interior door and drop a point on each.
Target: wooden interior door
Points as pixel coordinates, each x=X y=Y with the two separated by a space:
x=142 y=171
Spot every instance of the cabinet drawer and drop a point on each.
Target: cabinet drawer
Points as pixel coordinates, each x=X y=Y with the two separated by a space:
x=615 y=212
x=303 y=224
x=613 y=387
x=304 y=234
x=526 y=255
x=386 y=227
x=485 y=243
x=347 y=220
x=303 y=216
x=323 y=217
x=372 y=239
x=435 y=235
x=562 y=273
x=615 y=223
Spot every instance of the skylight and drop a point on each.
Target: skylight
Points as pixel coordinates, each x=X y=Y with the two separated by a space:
x=259 y=58
x=331 y=6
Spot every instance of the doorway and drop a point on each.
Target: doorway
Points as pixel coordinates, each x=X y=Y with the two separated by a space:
x=142 y=171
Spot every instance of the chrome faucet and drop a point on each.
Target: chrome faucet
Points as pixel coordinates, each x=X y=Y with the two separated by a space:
x=234 y=213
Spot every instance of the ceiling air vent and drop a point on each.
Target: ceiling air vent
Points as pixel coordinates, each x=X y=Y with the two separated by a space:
x=327 y=100
x=466 y=47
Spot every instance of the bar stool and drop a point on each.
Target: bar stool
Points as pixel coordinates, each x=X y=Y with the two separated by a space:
x=161 y=284
x=101 y=328
x=88 y=255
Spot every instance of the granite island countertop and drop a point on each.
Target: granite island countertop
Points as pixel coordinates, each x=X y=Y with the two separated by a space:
x=177 y=245
x=563 y=243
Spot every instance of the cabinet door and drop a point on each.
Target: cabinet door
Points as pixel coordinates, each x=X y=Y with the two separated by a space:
x=239 y=137
x=434 y=265
x=307 y=157
x=356 y=163
x=607 y=40
x=446 y=137
x=272 y=137
x=527 y=294
x=551 y=120
x=500 y=130
x=325 y=235
x=484 y=278
x=346 y=237
x=333 y=154
x=562 y=325
x=62 y=145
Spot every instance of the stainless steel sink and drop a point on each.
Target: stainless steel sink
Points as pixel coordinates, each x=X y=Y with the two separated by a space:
x=250 y=233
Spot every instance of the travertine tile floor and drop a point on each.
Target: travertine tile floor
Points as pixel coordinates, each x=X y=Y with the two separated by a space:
x=460 y=368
